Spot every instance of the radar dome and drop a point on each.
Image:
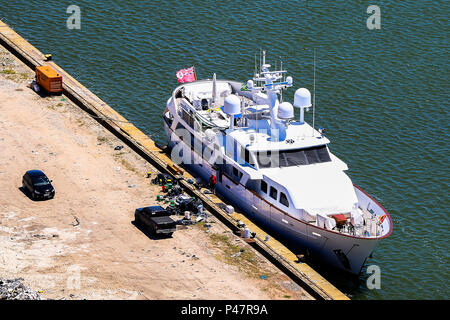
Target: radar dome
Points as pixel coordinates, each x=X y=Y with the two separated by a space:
x=302 y=98
x=232 y=105
x=289 y=80
x=285 y=111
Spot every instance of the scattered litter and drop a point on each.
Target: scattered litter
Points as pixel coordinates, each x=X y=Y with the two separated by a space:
x=263 y=277
x=237 y=254
x=131 y=186
x=35 y=87
x=246 y=233
x=13 y=289
x=118 y=148
x=77 y=222
x=118 y=168
x=185 y=222
x=229 y=209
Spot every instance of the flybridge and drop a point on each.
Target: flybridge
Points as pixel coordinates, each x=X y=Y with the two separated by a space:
x=281 y=114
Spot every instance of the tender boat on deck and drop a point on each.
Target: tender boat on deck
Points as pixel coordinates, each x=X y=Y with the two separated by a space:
x=278 y=170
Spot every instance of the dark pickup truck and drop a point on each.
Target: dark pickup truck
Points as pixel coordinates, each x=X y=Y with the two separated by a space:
x=155 y=220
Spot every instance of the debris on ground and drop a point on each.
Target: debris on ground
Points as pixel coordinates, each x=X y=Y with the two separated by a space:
x=13 y=289
x=77 y=222
x=237 y=254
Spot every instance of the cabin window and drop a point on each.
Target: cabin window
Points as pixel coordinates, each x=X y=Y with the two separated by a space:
x=283 y=200
x=246 y=156
x=233 y=173
x=289 y=158
x=273 y=193
x=207 y=152
x=264 y=159
x=263 y=186
x=187 y=116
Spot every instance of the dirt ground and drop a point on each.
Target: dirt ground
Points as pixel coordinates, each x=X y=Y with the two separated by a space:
x=104 y=256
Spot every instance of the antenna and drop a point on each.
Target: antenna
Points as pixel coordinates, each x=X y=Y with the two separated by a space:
x=256 y=69
x=314 y=88
x=282 y=79
x=260 y=59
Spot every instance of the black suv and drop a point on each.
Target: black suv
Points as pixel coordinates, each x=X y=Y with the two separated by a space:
x=38 y=185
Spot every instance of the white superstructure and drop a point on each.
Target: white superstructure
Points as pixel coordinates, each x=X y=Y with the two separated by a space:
x=278 y=169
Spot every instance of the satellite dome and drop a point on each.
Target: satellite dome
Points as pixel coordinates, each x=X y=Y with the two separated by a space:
x=289 y=80
x=302 y=98
x=232 y=105
x=285 y=111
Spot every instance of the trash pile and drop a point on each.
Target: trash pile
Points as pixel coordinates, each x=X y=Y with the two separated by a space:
x=13 y=289
x=178 y=202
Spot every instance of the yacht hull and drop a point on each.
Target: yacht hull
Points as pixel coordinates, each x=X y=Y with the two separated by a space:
x=341 y=251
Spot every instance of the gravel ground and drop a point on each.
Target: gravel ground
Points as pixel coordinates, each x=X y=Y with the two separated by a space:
x=82 y=244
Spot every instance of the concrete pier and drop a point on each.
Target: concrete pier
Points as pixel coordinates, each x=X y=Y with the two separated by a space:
x=275 y=251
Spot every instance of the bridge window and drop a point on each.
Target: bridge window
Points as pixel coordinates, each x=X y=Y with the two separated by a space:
x=246 y=156
x=289 y=158
x=283 y=199
x=263 y=186
x=273 y=193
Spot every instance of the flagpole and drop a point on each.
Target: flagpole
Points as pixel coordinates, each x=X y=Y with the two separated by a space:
x=195 y=73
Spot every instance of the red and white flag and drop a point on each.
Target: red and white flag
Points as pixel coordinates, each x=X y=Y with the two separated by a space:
x=186 y=75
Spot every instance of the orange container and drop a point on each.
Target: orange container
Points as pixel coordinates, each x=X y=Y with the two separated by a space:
x=49 y=79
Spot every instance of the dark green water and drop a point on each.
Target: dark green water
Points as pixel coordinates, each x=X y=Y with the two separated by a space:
x=382 y=94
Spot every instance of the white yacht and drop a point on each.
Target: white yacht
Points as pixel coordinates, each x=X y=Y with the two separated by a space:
x=277 y=169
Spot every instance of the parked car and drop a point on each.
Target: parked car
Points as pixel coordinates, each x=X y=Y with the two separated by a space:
x=36 y=183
